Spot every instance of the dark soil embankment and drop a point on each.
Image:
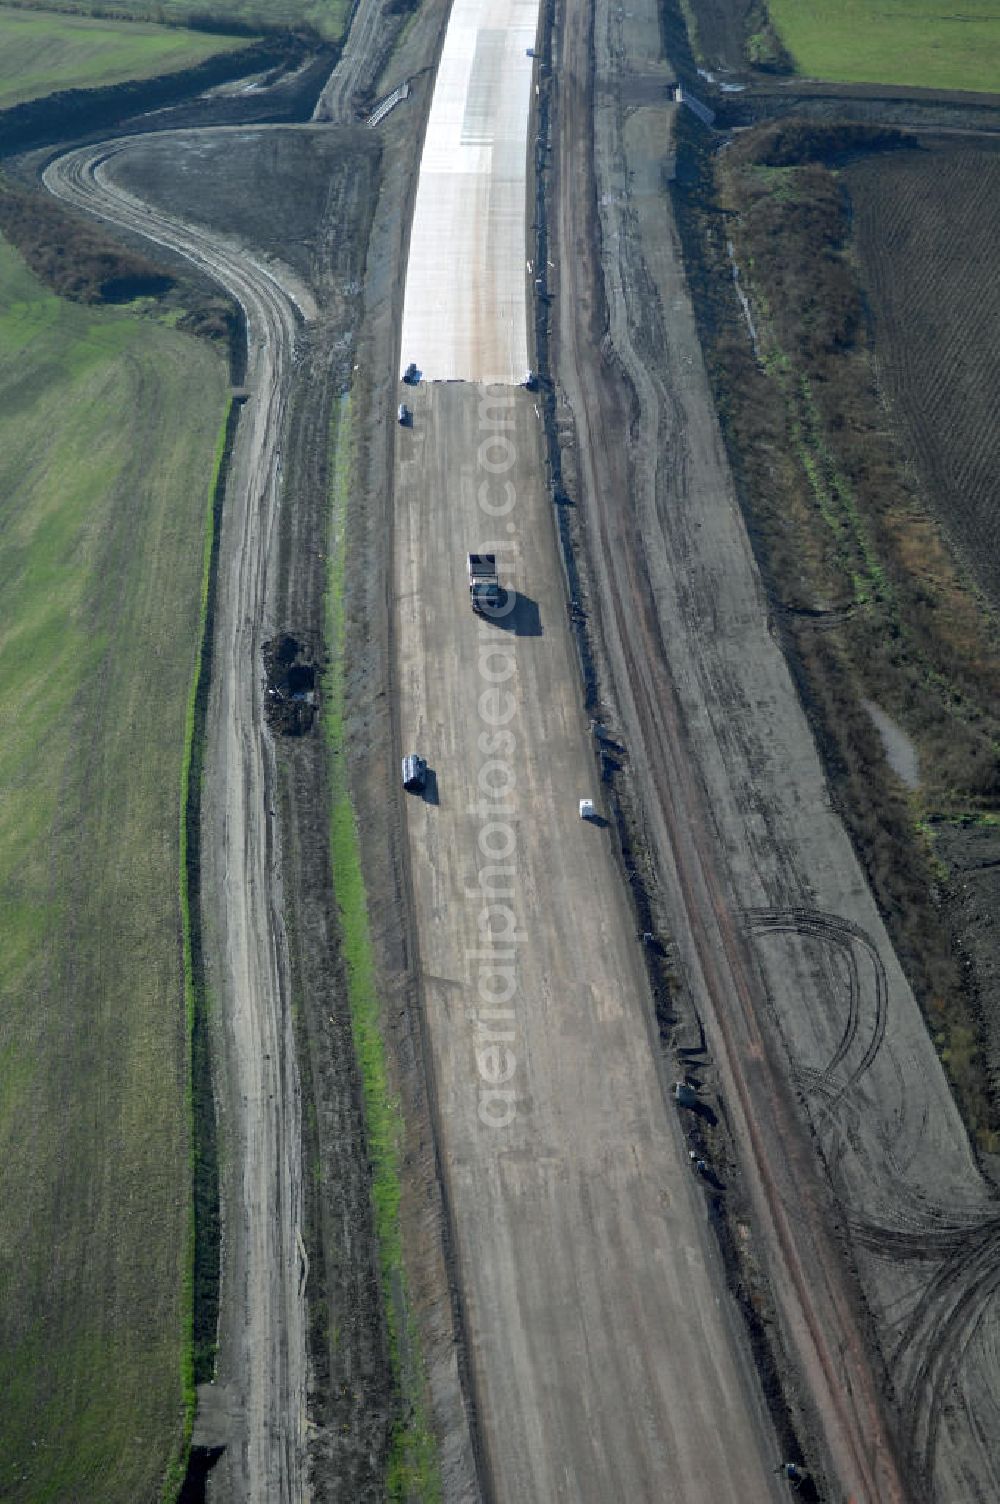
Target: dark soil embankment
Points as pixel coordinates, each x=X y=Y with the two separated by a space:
x=873 y=104
x=78 y=113
x=867 y=594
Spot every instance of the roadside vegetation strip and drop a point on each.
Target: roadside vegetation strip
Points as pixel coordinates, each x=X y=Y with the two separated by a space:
x=918 y=42
x=200 y=1302
x=42 y=53
x=875 y=608
x=75 y=257
x=201 y=1287
x=107 y=428
x=327 y=18
x=413 y=1471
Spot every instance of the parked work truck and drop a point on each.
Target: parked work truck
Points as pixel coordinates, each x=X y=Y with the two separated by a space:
x=484 y=582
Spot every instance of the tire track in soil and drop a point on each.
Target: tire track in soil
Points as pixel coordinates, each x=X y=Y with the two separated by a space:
x=841 y=935
x=938 y=1331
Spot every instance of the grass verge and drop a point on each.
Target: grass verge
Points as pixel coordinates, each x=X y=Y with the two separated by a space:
x=203 y=1310
x=42 y=52
x=413 y=1465
x=918 y=42
x=200 y=1296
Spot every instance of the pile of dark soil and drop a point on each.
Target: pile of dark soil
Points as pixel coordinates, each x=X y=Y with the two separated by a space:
x=292 y=687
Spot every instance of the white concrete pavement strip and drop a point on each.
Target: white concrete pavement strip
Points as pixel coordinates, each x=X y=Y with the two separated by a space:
x=465 y=307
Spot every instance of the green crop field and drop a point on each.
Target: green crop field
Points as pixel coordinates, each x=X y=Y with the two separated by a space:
x=923 y=43
x=328 y=17
x=41 y=52
x=108 y=429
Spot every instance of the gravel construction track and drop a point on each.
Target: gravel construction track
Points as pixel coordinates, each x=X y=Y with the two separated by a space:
x=813 y=1027
x=263 y=1311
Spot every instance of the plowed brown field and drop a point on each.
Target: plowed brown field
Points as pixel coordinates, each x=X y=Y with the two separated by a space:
x=926 y=228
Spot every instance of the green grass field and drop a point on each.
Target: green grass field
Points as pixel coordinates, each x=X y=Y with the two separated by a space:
x=108 y=427
x=41 y=52
x=328 y=17
x=924 y=43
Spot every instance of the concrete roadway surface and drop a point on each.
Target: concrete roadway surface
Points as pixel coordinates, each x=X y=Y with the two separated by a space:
x=608 y=1359
x=262 y=1409
x=465 y=308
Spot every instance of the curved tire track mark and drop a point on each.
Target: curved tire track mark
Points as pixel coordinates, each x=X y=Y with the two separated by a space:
x=844 y=936
x=944 y=1321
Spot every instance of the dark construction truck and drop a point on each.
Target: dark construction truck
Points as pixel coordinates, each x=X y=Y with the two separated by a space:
x=484 y=582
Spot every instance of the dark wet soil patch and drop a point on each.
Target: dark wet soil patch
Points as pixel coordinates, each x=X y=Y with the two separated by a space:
x=292 y=692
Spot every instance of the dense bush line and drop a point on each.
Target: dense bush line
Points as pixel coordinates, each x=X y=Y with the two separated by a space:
x=73 y=257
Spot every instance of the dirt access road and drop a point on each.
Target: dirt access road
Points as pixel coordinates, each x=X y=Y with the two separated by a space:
x=811 y=1023
x=263 y=1350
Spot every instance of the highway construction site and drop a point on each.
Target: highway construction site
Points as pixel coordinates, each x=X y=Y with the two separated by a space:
x=776 y=1282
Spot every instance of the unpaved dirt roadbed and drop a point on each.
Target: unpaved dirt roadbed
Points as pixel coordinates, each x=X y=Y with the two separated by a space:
x=604 y=1354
